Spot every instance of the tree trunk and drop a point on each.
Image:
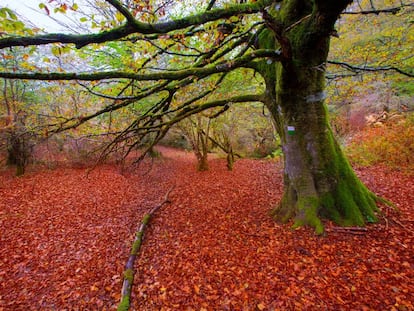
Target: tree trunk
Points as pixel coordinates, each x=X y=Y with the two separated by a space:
x=318 y=180
x=17 y=153
x=230 y=157
x=202 y=160
x=202 y=146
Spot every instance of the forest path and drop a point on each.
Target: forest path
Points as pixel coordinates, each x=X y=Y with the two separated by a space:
x=65 y=237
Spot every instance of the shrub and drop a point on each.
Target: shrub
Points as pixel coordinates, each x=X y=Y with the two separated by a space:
x=391 y=144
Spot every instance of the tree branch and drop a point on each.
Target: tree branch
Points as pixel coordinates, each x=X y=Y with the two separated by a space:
x=136 y=246
x=134 y=26
x=355 y=68
x=393 y=10
x=224 y=66
x=124 y=11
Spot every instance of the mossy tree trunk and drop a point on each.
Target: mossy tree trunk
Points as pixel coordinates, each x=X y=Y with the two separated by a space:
x=318 y=180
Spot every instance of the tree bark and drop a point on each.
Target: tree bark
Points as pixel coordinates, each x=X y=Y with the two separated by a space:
x=18 y=152
x=319 y=182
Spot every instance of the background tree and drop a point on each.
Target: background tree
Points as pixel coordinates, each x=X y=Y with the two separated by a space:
x=197 y=131
x=17 y=102
x=180 y=57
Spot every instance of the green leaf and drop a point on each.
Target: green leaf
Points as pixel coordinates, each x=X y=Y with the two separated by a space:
x=56 y=51
x=12 y=15
x=44 y=7
x=3 y=13
x=18 y=26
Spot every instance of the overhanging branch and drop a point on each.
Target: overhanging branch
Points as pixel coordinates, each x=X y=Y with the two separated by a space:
x=355 y=68
x=224 y=66
x=393 y=10
x=133 y=26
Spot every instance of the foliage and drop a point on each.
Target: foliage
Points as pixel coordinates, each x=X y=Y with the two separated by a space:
x=391 y=145
x=9 y=22
x=66 y=235
x=385 y=43
x=249 y=128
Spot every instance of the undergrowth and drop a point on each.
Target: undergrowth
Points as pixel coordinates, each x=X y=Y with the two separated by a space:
x=391 y=145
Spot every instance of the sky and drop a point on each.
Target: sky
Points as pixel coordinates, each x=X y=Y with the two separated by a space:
x=29 y=10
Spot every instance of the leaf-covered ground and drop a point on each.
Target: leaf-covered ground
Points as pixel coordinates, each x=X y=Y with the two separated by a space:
x=66 y=234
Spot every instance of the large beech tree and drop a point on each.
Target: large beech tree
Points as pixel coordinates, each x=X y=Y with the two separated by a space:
x=176 y=57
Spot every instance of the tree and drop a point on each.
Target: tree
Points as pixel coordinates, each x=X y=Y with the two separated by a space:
x=15 y=98
x=197 y=130
x=180 y=56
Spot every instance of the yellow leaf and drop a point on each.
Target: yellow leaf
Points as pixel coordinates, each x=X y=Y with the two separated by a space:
x=261 y=306
x=119 y=17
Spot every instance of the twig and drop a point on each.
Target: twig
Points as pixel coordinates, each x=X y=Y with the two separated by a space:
x=386 y=222
x=350 y=230
x=399 y=223
x=136 y=245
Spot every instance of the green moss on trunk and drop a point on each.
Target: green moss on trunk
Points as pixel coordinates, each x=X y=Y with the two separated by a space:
x=137 y=243
x=319 y=182
x=129 y=275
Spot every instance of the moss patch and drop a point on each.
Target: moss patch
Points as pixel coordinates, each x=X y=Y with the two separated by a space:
x=137 y=243
x=129 y=275
x=124 y=304
x=307 y=214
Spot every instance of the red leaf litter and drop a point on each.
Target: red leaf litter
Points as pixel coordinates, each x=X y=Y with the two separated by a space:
x=66 y=234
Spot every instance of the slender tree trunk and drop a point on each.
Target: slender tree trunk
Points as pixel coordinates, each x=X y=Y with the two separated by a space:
x=202 y=153
x=230 y=157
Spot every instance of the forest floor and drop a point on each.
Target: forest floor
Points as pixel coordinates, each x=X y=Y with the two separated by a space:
x=66 y=233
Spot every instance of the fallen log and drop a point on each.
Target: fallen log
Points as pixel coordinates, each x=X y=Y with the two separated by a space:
x=125 y=302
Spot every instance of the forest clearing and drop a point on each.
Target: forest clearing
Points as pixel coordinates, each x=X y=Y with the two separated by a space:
x=66 y=235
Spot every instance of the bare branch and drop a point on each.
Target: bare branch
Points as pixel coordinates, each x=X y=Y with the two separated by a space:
x=355 y=68
x=393 y=10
